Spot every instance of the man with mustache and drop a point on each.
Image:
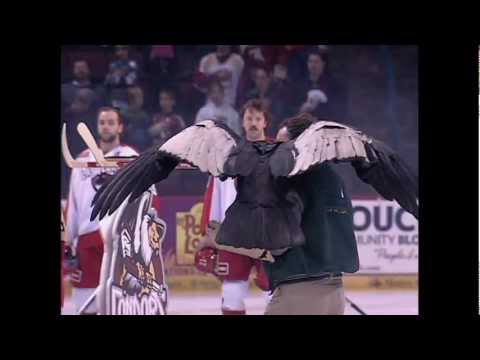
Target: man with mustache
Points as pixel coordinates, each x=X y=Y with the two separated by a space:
x=306 y=279
x=233 y=269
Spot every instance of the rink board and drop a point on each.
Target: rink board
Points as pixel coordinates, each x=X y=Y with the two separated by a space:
x=386 y=237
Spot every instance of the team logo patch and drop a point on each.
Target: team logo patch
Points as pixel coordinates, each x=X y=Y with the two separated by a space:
x=100 y=179
x=137 y=280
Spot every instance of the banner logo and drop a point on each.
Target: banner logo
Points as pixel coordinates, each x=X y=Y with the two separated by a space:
x=138 y=286
x=188 y=234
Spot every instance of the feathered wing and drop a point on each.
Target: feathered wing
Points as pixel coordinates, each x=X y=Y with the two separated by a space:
x=375 y=163
x=390 y=176
x=320 y=142
x=205 y=145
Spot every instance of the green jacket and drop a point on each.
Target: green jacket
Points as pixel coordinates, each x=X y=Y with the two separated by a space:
x=327 y=223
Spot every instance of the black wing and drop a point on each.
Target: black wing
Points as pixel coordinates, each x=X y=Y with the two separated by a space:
x=206 y=145
x=149 y=168
x=375 y=163
x=388 y=174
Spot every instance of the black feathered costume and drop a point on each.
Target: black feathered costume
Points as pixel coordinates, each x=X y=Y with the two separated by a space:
x=267 y=212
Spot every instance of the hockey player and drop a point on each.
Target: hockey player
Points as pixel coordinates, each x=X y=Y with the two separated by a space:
x=83 y=235
x=231 y=268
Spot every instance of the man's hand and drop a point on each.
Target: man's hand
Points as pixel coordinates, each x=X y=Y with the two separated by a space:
x=317 y=96
x=209 y=239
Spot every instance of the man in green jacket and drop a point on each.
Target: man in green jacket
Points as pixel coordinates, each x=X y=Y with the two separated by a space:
x=307 y=280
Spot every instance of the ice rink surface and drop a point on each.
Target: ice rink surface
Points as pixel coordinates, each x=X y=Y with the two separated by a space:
x=381 y=302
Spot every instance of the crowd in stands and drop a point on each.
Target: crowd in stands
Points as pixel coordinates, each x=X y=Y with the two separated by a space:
x=161 y=89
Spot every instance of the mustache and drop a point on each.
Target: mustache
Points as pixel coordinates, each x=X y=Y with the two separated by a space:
x=253 y=128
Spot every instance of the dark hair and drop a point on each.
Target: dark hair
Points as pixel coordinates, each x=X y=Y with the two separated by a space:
x=323 y=54
x=111 y=108
x=258 y=105
x=297 y=124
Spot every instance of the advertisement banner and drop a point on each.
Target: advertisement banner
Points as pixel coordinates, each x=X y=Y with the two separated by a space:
x=133 y=273
x=387 y=238
x=183 y=215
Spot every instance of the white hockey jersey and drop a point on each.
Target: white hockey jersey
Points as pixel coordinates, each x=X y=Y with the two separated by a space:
x=222 y=196
x=84 y=183
x=209 y=65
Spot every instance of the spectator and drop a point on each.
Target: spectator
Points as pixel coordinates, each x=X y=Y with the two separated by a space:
x=123 y=73
x=199 y=51
x=166 y=123
x=272 y=92
x=161 y=66
x=253 y=57
x=81 y=80
x=136 y=118
x=190 y=98
x=83 y=109
x=294 y=57
x=224 y=66
x=320 y=94
x=217 y=108
x=268 y=55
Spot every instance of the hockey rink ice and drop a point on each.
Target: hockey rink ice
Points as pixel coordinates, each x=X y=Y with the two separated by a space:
x=381 y=302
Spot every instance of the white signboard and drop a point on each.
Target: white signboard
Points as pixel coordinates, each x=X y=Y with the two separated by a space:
x=387 y=237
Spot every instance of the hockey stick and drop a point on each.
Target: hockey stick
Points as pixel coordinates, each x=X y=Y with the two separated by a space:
x=88 y=138
x=353 y=305
x=112 y=161
x=70 y=161
x=67 y=155
x=100 y=162
x=106 y=162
